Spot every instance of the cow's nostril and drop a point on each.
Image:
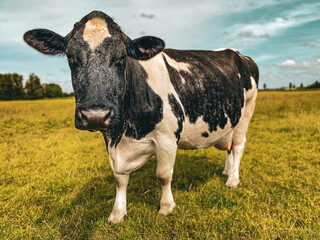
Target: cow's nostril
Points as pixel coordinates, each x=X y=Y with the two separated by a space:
x=111 y=112
x=108 y=117
x=82 y=117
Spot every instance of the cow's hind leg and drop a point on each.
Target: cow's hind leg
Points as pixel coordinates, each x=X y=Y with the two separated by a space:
x=236 y=152
x=238 y=141
x=119 y=210
x=165 y=164
x=229 y=163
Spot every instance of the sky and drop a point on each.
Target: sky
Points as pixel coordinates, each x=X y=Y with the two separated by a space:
x=281 y=36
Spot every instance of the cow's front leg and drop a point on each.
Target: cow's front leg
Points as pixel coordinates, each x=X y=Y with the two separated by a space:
x=119 y=210
x=165 y=165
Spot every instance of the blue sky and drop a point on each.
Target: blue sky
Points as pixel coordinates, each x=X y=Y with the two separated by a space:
x=282 y=36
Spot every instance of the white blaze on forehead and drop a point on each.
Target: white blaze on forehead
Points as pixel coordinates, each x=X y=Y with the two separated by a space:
x=95 y=31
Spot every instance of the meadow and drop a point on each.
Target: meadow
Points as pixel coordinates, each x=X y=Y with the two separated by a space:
x=56 y=181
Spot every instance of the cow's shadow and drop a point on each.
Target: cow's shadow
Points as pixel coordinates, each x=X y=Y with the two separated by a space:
x=98 y=194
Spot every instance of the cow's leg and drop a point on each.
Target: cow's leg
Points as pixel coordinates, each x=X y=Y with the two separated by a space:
x=229 y=163
x=119 y=210
x=165 y=164
x=239 y=139
x=238 y=142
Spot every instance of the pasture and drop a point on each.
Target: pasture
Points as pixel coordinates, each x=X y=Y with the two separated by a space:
x=56 y=181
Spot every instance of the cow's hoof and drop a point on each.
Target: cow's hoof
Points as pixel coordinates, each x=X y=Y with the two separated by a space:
x=116 y=218
x=233 y=183
x=166 y=209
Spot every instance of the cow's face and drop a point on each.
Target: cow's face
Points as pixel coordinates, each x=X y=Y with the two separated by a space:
x=99 y=56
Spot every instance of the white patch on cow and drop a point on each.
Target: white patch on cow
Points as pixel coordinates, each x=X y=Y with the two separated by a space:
x=95 y=31
x=191 y=136
x=179 y=66
x=239 y=75
x=130 y=154
x=251 y=92
x=223 y=49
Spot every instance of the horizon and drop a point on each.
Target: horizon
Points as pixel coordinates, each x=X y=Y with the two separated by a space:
x=280 y=36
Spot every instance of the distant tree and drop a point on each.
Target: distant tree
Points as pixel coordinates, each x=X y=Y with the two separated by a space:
x=316 y=84
x=293 y=86
x=52 y=90
x=33 y=87
x=11 y=86
x=301 y=85
x=264 y=86
x=290 y=85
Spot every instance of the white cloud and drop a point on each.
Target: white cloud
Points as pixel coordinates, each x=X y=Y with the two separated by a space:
x=264 y=30
x=289 y=63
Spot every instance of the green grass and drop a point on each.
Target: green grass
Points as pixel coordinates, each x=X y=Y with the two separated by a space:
x=56 y=182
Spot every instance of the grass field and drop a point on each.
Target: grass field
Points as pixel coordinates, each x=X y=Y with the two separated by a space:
x=56 y=181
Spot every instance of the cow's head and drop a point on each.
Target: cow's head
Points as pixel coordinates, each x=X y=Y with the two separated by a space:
x=99 y=56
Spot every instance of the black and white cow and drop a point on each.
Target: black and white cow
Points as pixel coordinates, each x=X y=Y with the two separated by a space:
x=148 y=100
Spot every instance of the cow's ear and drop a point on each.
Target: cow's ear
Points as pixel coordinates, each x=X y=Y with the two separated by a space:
x=145 y=47
x=46 y=41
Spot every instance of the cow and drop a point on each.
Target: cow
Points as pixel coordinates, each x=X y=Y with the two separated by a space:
x=147 y=100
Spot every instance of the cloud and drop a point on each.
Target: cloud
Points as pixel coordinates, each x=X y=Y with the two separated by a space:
x=289 y=63
x=264 y=30
x=147 y=15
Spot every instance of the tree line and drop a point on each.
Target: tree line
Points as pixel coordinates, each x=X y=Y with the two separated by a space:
x=315 y=85
x=12 y=88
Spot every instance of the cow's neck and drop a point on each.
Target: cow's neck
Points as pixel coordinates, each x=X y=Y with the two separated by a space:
x=142 y=108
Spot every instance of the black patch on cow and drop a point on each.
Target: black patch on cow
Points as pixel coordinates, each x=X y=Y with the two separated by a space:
x=142 y=108
x=177 y=111
x=205 y=134
x=212 y=88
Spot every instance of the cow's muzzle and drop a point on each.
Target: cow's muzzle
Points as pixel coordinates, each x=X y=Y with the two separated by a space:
x=95 y=119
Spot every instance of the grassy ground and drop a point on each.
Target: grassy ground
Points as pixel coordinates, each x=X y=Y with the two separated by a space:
x=56 y=181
